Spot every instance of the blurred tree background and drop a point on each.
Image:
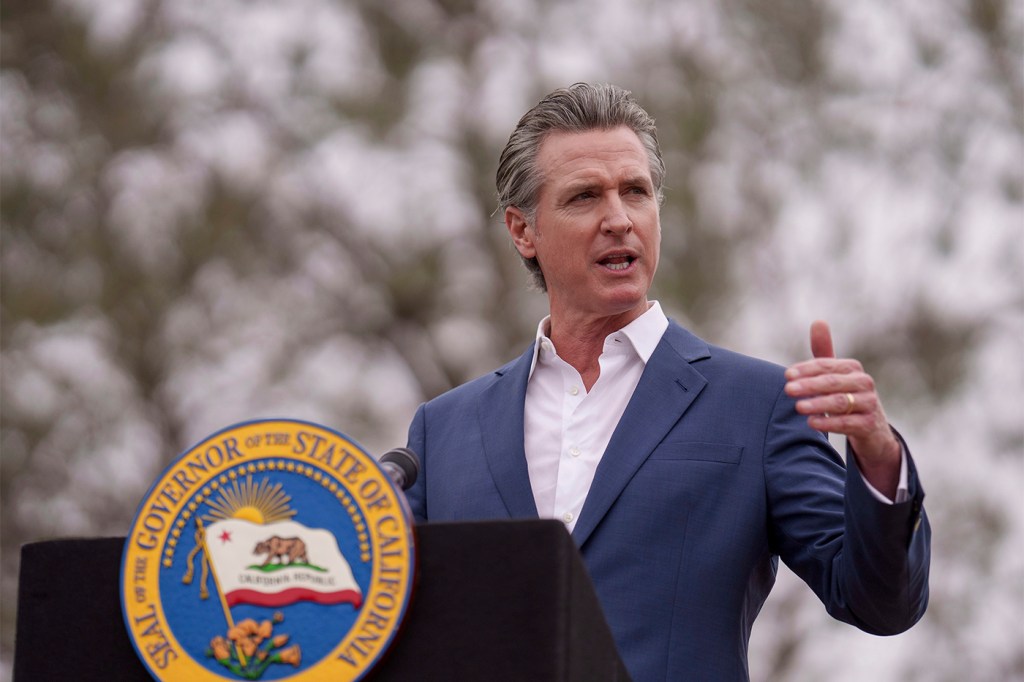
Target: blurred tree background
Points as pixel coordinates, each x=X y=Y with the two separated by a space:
x=214 y=212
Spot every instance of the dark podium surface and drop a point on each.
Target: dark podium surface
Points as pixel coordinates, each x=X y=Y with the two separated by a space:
x=503 y=600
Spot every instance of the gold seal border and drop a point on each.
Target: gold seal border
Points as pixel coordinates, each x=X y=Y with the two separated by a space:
x=314 y=448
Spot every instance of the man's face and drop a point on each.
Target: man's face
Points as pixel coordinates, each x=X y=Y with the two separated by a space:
x=596 y=231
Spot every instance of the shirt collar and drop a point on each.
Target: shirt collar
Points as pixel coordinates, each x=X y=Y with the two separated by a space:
x=644 y=333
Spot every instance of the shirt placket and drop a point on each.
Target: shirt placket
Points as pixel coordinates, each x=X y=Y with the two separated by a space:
x=571 y=448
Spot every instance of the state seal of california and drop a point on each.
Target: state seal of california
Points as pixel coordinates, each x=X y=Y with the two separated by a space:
x=271 y=550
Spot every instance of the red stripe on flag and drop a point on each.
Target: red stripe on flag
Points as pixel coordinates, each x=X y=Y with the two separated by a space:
x=292 y=595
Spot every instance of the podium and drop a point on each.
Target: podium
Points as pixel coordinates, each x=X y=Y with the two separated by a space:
x=494 y=601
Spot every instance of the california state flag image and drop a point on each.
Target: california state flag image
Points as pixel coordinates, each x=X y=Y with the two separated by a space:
x=276 y=564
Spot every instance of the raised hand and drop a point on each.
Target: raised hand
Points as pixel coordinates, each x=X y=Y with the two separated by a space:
x=838 y=396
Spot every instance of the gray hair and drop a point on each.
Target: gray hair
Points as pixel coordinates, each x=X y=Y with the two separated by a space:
x=576 y=109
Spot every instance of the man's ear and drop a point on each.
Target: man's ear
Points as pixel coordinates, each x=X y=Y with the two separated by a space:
x=522 y=232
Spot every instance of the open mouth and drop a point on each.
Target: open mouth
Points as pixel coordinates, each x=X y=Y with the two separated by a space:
x=617 y=261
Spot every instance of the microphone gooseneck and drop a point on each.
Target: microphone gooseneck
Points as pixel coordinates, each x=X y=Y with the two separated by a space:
x=402 y=465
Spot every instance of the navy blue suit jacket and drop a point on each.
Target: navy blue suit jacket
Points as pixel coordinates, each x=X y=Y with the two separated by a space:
x=709 y=477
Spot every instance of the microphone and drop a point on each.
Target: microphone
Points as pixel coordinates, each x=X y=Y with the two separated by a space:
x=402 y=465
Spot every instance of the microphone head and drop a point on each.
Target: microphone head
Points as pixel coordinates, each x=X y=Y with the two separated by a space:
x=406 y=461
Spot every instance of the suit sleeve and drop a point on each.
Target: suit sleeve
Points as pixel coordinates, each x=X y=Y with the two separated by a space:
x=417 y=494
x=866 y=560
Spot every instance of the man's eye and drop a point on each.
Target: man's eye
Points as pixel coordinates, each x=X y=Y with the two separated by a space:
x=583 y=195
x=638 y=190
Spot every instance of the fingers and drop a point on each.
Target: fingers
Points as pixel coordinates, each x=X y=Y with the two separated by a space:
x=821 y=340
x=838 y=376
x=835 y=394
x=856 y=424
x=838 y=396
x=839 y=404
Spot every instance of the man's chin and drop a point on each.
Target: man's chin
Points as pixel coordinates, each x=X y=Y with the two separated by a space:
x=626 y=301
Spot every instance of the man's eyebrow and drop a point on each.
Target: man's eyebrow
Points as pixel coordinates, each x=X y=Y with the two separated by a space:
x=638 y=180
x=574 y=187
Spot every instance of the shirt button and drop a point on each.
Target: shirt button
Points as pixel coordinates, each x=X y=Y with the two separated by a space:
x=575 y=452
x=567 y=517
x=574 y=390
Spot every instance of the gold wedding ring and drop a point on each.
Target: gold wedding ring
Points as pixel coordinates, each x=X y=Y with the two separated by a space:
x=850 y=401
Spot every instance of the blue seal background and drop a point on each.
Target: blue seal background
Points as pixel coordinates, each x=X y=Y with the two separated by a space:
x=316 y=628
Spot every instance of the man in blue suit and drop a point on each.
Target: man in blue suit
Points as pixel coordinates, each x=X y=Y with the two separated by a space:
x=683 y=470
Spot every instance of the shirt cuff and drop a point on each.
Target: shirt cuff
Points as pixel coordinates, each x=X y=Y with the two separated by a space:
x=902 y=489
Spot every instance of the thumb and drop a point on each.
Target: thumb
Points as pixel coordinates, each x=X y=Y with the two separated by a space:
x=821 y=340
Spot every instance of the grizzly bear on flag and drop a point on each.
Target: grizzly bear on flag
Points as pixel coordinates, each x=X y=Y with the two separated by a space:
x=278 y=548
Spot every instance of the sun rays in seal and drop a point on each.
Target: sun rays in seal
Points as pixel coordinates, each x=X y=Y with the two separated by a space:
x=261 y=502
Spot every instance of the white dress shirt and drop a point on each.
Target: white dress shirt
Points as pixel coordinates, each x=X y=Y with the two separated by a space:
x=567 y=428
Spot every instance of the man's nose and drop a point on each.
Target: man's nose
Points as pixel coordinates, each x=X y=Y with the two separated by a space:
x=616 y=220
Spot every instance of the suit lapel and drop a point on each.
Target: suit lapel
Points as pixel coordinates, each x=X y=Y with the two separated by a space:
x=667 y=388
x=501 y=411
